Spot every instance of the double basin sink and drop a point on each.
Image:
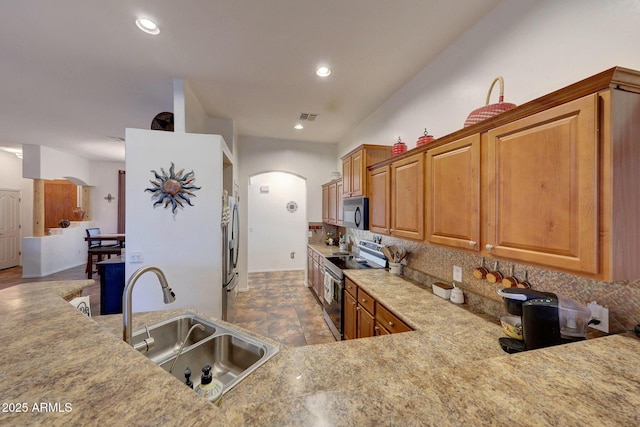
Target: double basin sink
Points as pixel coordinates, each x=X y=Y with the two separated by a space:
x=232 y=354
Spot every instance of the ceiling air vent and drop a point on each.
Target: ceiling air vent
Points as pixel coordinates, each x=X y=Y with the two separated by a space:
x=308 y=116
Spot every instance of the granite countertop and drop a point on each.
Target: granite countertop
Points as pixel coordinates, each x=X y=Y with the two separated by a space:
x=325 y=250
x=449 y=371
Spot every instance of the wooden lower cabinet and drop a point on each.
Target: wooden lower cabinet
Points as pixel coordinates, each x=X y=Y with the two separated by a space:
x=380 y=330
x=315 y=273
x=365 y=323
x=349 y=316
x=364 y=317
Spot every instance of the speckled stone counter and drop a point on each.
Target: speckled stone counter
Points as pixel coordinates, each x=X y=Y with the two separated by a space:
x=449 y=371
x=80 y=373
x=325 y=250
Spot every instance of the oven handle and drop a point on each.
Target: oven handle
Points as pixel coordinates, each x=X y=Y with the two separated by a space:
x=333 y=276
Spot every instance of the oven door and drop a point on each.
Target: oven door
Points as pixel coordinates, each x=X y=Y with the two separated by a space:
x=332 y=305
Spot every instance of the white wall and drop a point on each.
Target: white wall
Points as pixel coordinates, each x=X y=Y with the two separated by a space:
x=187 y=246
x=274 y=232
x=312 y=161
x=104 y=176
x=42 y=162
x=64 y=248
x=537 y=46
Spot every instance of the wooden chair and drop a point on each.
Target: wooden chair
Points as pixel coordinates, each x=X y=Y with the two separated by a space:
x=98 y=250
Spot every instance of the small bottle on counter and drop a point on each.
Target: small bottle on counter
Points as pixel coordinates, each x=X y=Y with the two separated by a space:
x=209 y=388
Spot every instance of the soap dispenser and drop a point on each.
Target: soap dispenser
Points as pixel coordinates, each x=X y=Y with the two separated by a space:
x=187 y=377
x=209 y=387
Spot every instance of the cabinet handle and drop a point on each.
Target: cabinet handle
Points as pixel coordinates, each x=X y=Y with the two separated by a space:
x=488 y=246
x=358 y=308
x=390 y=323
x=353 y=303
x=364 y=300
x=391 y=230
x=472 y=243
x=376 y=328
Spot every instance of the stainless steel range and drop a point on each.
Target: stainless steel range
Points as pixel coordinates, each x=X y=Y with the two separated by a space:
x=369 y=256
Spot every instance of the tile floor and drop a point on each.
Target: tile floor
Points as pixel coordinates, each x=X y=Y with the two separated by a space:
x=279 y=306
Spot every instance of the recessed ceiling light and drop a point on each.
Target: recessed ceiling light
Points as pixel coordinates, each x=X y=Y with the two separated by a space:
x=148 y=26
x=298 y=126
x=323 y=72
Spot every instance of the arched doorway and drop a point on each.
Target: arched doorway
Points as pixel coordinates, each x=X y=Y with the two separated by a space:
x=277 y=222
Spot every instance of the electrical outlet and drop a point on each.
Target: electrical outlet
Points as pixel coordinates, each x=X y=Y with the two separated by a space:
x=136 y=257
x=457 y=273
x=600 y=313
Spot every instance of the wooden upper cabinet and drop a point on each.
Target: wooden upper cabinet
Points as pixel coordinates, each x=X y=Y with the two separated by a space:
x=453 y=194
x=325 y=203
x=339 y=197
x=333 y=203
x=407 y=197
x=346 y=176
x=358 y=175
x=354 y=168
x=380 y=200
x=542 y=188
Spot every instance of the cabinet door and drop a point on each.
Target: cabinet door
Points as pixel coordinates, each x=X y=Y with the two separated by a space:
x=380 y=329
x=346 y=177
x=350 y=316
x=319 y=281
x=333 y=203
x=340 y=213
x=325 y=203
x=358 y=173
x=366 y=323
x=380 y=200
x=407 y=197
x=310 y=269
x=453 y=194
x=542 y=186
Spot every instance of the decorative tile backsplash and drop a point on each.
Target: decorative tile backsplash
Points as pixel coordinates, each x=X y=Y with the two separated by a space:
x=621 y=298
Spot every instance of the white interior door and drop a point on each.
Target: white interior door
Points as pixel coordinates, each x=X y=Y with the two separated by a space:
x=9 y=228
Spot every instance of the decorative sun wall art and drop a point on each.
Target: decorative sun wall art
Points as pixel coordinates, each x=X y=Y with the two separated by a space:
x=172 y=188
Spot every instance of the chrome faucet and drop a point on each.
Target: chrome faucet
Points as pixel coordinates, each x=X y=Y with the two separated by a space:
x=127 y=316
x=197 y=325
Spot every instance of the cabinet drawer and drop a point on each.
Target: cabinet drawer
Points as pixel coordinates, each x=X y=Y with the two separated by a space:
x=351 y=287
x=310 y=252
x=315 y=256
x=380 y=329
x=365 y=300
x=390 y=321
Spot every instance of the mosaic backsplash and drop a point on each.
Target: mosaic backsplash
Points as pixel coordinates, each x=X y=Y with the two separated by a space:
x=427 y=263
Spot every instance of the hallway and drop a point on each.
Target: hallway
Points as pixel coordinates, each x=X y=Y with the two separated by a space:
x=279 y=306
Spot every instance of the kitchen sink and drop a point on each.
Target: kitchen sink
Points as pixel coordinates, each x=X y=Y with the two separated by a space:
x=340 y=253
x=169 y=335
x=232 y=354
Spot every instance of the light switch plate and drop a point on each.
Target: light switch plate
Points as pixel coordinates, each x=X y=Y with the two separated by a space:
x=136 y=257
x=457 y=273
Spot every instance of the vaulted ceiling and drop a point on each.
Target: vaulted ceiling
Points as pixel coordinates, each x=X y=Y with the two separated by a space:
x=75 y=74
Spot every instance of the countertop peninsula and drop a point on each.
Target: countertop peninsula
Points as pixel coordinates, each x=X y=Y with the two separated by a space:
x=449 y=371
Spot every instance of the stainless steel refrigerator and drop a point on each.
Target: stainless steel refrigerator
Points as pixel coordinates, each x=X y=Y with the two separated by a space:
x=230 y=245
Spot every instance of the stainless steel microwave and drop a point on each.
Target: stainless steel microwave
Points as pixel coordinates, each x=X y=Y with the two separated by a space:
x=356 y=213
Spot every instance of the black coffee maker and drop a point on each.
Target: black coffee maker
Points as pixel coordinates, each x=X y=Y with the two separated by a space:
x=547 y=319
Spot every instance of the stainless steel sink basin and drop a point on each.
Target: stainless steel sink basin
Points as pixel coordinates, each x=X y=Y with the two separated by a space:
x=232 y=354
x=169 y=335
x=340 y=253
